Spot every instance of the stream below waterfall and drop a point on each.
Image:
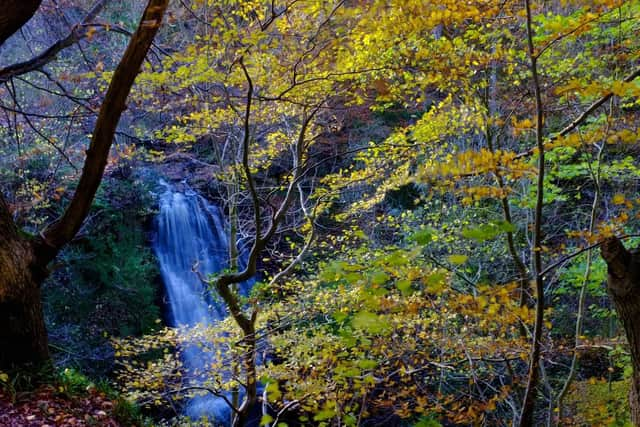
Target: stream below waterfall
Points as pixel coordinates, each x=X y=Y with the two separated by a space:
x=191 y=231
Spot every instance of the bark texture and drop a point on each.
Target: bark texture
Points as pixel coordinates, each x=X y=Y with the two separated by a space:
x=14 y=14
x=22 y=331
x=23 y=260
x=624 y=288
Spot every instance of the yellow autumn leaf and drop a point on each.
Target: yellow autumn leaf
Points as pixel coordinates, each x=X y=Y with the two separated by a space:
x=618 y=199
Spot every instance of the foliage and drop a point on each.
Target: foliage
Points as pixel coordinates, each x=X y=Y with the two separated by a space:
x=379 y=332
x=442 y=157
x=428 y=309
x=598 y=402
x=106 y=285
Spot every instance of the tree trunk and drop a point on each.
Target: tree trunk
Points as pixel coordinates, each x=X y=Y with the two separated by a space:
x=251 y=396
x=14 y=14
x=248 y=326
x=23 y=337
x=23 y=260
x=624 y=289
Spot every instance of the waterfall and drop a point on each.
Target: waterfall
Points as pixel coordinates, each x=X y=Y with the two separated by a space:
x=191 y=231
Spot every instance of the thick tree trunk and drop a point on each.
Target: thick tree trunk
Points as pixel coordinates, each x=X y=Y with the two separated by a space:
x=14 y=14
x=23 y=337
x=23 y=261
x=624 y=289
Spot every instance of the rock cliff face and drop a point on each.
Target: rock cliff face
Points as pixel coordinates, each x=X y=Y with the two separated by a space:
x=180 y=166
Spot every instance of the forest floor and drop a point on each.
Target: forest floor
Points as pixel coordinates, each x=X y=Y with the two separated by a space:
x=46 y=406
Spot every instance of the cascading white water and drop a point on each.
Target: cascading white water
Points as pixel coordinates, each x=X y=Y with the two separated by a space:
x=190 y=231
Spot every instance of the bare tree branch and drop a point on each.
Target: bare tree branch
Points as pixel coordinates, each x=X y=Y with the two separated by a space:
x=77 y=33
x=586 y=113
x=63 y=230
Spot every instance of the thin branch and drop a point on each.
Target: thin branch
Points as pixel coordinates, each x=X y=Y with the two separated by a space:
x=586 y=113
x=245 y=155
x=290 y=405
x=307 y=244
x=63 y=230
x=209 y=390
x=12 y=92
x=528 y=404
x=583 y=295
x=581 y=251
x=77 y=33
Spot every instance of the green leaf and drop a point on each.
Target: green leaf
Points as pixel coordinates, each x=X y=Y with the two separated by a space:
x=349 y=420
x=352 y=278
x=339 y=316
x=349 y=372
x=266 y=419
x=396 y=259
x=367 y=364
x=422 y=237
x=435 y=281
x=273 y=391
x=360 y=234
x=329 y=273
x=350 y=267
x=369 y=322
x=347 y=339
x=379 y=278
x=404 y=286
x=325 y=414
x=488 y=231
x=458 y=259
x=505 y=226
